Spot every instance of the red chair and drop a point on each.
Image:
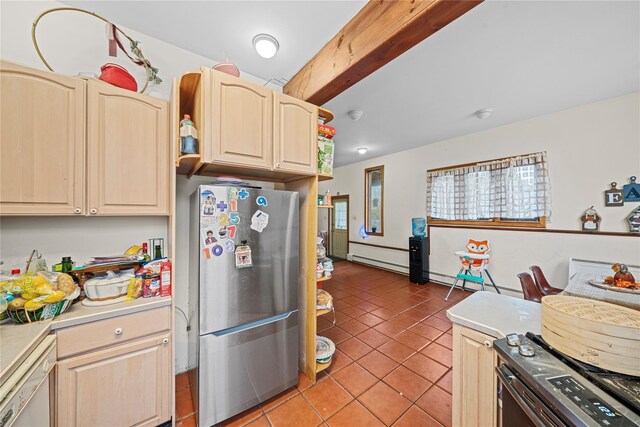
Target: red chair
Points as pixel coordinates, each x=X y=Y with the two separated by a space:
x=529 y=288
x=541 y=282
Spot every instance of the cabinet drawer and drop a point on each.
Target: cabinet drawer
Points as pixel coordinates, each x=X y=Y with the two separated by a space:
x=104 y=333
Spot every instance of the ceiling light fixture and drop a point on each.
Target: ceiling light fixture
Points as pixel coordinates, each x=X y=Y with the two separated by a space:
x=266 y=45
x=484 y=113
x=362 y=150
x=355 y=114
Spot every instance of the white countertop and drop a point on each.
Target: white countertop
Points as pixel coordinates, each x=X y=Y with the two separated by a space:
x=496 y=315
x=18 y=340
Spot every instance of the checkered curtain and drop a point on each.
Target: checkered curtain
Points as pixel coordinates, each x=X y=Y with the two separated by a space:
x=516 y=188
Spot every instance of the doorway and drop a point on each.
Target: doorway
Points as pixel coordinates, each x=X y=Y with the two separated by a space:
x=339 y=227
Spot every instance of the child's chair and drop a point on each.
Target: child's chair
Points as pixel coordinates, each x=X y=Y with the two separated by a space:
x=475 y=260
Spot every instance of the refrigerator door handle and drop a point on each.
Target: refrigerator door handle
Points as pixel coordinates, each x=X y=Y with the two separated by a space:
x=252 y=325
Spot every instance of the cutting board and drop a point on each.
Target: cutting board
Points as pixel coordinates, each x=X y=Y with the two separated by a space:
x=595 y=332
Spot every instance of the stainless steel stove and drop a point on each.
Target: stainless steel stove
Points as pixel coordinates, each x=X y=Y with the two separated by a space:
x=540 y=387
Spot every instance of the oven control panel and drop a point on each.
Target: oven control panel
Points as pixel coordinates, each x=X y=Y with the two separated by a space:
x=589 y=403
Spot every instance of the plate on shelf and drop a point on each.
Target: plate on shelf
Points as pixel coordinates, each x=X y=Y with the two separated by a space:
x=600 y=284
x=324 y=349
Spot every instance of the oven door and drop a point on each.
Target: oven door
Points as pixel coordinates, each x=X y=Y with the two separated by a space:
x=518 y=404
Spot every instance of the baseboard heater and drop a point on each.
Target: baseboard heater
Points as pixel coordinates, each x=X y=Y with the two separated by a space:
x=394 y=268
x=368 y=261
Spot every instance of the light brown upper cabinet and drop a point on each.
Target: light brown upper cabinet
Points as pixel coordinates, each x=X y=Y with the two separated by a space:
x=42 y=142
x=128 y=153
x=246 y=129
x=295 y=123
x=69 y=146
x=241 y=115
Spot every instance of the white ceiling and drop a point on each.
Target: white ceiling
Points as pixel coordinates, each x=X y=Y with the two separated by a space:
x=523 y=58
x=223 y=30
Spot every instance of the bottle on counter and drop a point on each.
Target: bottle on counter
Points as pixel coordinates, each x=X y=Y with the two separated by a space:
x=157 y=252
x=188 y=136
x=145 y=253
x=67 y=267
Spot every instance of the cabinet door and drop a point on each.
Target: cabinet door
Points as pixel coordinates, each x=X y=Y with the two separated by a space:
x=42 y=142
x=125 y=385
x=128 y=152
x=241 y=125
x=474 y=378
x=295 y=135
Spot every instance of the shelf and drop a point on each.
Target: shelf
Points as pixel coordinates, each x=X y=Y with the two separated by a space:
x=323 y=278
x=326 y=206
x=188 y=164
x=324 y=177
x=323 y=311
x=325 y=115
x=322 y=366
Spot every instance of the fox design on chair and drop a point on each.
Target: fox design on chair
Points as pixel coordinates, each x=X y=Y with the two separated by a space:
x=475 y=259
x=476 y=247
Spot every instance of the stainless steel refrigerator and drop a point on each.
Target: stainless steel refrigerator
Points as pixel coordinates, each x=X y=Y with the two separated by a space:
x=243 y=294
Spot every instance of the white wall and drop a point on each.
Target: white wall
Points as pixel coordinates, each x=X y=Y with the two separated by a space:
x=72 y=42
x=587 y=147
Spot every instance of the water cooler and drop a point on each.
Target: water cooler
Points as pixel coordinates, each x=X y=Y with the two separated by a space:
x=419 y=260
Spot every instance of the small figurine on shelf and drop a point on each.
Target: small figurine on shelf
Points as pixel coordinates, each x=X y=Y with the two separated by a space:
x=590 y=220
x=188 y=136
x=327 y=198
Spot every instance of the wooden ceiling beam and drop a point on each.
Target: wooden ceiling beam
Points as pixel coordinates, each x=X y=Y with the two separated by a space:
x=381 y=31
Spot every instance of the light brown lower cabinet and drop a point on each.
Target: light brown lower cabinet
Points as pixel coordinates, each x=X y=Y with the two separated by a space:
x=124 y=385
x=474 y=379
x=116 y=371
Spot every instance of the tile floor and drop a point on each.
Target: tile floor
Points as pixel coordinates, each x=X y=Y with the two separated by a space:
x=392 y=365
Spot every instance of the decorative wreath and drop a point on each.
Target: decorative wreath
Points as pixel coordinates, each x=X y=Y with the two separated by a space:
x=140 y=60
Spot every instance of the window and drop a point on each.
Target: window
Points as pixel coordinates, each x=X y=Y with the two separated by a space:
x=374 y=200
x=509 y=192
x=340 y=212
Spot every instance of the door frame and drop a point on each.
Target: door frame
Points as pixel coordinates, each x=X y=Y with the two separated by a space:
x=330 y=220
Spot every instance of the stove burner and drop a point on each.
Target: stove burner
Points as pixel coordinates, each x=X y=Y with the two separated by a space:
x=625 y=388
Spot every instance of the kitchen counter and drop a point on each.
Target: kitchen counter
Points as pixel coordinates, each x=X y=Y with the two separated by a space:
x=496 y=315
x=18 y=340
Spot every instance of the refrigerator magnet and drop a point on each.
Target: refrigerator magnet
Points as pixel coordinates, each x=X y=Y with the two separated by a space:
x=261 y=201
x=208 y=202
x=222 y=206
x=232 y=193
x=229 y=246
x=222 y=232
x=217 y=250
x=234 y=218
x=243 y=194
x=208 y=236
x=259 y=221
x=208 y=220
x=243 y=256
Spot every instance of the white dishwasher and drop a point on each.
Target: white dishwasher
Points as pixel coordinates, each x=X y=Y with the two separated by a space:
x=24 y=397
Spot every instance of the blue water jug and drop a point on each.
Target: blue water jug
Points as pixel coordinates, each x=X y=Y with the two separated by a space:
x=418 y=226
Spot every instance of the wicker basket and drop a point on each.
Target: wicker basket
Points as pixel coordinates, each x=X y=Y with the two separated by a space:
x=52 y=310
x=595 y=332
x=24 y=316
